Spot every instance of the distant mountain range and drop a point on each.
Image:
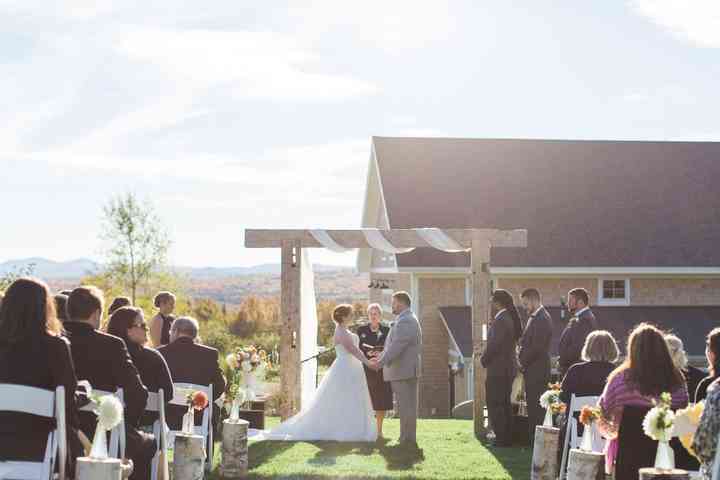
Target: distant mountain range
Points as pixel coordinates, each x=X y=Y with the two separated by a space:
x=50 y=269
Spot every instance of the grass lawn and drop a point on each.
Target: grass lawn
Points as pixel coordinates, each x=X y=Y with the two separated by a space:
x=449 y=451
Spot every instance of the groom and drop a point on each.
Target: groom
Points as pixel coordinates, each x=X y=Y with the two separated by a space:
x=400 y=362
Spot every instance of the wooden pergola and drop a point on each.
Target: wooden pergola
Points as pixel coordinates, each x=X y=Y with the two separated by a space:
x=291 y=242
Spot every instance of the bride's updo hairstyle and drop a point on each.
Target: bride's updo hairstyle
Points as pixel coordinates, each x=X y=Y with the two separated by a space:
x=341 y=312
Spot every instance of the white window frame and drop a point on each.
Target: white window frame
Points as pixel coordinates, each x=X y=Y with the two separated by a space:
x=622 y=302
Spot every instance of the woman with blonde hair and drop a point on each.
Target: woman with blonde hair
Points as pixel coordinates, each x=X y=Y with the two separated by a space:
x=588 y=377
x=160 y=324
x=693 y=375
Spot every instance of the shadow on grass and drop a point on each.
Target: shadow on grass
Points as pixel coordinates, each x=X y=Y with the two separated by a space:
x=401 y=457
x=263 y=452
x=515 y=460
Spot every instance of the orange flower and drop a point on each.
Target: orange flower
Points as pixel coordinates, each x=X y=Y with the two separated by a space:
x=199 y=400
x=589 y=415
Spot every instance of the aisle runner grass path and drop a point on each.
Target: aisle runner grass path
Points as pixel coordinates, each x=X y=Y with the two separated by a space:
x=449 y=451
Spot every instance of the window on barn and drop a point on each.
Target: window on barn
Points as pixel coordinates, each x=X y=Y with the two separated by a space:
x=614 y=291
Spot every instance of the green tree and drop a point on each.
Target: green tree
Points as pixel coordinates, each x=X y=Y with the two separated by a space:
x=9 y=277
x=136 y=242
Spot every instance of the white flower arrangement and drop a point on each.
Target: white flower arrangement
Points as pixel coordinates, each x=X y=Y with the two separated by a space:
x=109 y=411
x=548 y=398
x=659 y=421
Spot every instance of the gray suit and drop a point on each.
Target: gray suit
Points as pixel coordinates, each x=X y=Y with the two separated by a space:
x=402 y=368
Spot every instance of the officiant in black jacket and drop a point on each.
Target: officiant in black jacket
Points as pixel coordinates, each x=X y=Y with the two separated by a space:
x=372 y=341
x=534 y=355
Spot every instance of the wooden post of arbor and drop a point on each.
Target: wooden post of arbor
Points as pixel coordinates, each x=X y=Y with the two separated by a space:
x=480 y=262
x=291 y=271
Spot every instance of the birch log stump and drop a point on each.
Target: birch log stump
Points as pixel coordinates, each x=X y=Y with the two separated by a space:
x=545 y=453
x=585 y=465
x=234 y=462
x=188 y=457
x=655 y=474
x=96 y=469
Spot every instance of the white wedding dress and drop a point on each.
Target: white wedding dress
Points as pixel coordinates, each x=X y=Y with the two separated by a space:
x=341 y=409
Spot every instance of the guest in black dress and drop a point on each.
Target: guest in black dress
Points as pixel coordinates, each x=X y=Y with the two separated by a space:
x=129 y=324
x=372 y=340
x=712 y=353
x=161 y=323
x=33 y=353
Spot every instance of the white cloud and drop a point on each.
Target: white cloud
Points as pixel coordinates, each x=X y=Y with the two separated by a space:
x=697 y=21
x=267 y=65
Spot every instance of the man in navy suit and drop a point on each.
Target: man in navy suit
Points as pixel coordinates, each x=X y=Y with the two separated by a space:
x=578 y=328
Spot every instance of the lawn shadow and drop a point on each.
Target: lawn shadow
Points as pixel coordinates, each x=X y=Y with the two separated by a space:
x=401 y=457
x=329 y=451
x=515 y=460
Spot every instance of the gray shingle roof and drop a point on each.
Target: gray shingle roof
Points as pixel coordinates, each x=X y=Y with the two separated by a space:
x=584 y=203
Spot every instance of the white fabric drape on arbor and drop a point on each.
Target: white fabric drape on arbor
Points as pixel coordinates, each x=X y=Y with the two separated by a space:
x=308 y=330
x=377 y=241
x=327 y=241
x=440 y=240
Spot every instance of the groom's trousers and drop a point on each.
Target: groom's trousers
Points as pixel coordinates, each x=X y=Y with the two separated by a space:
x=406 y=392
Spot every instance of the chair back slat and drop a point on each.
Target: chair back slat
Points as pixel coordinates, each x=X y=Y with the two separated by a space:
x=181 y=391
x=24 y=399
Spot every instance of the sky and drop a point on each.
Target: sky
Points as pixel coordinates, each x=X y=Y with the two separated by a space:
x=233 y=114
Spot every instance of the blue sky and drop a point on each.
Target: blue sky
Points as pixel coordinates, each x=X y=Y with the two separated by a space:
x=232 y=114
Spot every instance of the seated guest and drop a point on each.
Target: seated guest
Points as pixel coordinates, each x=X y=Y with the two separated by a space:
x=61 y=307
x=693 y=375
x=190 y=363
x=589 y=376
x=129 y=324
x=712 y=353
x=103 y=360
x=705 y=440
x=647 y=372
x=160 y=324
x=118 y=302
x=33 y=353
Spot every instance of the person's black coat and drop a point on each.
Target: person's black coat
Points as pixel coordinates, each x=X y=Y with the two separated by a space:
x=702 y=388
x=104 y=361
x=369 y=340
x=191 y=363
x=43 y=362
x=499 y=355
x=585 y=379
x=534 y=345
x=573 y=338
x=693 y=377
x=154 y=374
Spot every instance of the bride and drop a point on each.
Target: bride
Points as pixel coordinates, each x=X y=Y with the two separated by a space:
x=341 y=409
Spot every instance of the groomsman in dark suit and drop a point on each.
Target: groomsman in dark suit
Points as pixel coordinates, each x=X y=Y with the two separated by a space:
x=104 y=361
x=534 y=355
x=578 y=328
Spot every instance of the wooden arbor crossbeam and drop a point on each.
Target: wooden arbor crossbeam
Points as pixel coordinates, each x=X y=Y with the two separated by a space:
x=478 y=241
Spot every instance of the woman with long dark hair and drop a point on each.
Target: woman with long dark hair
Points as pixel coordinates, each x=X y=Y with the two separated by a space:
x=647 y=372
x=129 y=324
x=500 y=362
x=33 y=353
x=712 y=353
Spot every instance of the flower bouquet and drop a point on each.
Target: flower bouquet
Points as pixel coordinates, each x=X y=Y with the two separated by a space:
x=658 y=425
x=195 y=401
x=246 y=369
x=686 y=423
x=109 y=411
x=550 y=401
x=588 y=417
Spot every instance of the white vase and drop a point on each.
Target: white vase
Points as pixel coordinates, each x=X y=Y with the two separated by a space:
x=99 y=448
x=586 y=442
x=235 y=410
x=665 y=456
x=548 y=422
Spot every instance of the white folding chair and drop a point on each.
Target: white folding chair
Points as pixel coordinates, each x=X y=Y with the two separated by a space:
x=44 y=403
x=116 y=447
x=572 y=440
x=205 y=429
x=156 y=403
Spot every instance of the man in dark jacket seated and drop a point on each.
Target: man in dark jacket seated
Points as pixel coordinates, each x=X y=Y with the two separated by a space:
x=103 y=360
x=190 y=362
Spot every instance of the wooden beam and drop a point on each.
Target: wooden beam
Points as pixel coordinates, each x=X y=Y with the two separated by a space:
x=290 y=277
x=400 y=238
x=480 y=261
